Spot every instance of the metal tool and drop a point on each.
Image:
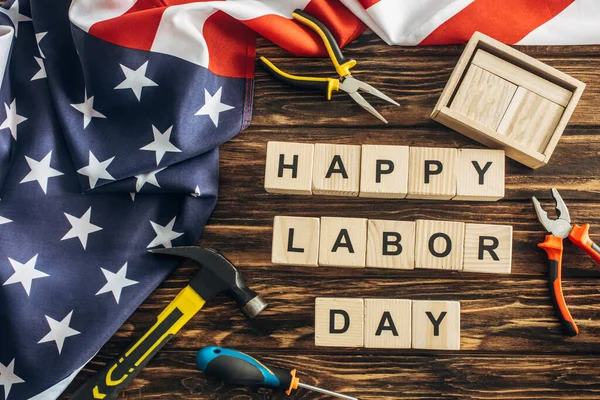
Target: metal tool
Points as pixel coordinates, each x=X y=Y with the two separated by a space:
x=217 y=275
x=346 y=83
x=236 y=368
x=559 y=229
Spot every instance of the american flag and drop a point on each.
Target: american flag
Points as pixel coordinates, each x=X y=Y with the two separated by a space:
x=111 y=113
x=105 y=152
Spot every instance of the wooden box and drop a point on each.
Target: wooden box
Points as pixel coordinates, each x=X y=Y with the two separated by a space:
x=508 y=100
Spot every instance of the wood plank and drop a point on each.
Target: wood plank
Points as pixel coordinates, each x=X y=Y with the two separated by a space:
x=243 y=159
x=507 y=322
x=374 y=374
x=511 y=315
x=528 y=260
x=416 y=83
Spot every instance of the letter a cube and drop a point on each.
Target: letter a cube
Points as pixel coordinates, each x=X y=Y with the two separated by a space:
x=388 y=323
x=336 y=169
x=343 y=242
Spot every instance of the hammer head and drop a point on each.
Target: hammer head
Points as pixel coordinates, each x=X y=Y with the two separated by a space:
x=218 y=275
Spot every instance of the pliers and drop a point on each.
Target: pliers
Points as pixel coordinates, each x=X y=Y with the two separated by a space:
x=559 y=229
x=342 y=65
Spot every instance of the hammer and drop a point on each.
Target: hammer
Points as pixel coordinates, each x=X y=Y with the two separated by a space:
x=217 y=275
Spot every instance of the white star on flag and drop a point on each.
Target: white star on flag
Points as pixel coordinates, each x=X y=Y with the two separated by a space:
x=41 y=171
x=197 y=192
x=136 y=80
x=8 y=377
x=213 y=106
x=115 y=282
x=132 y=195
x=96 y=170
x=59 y=331
x=15 y=16
x=4 y=220
x=24 y=273
x=42 y=72
x=161 y=144
x=149 y=177
x=164 y=234
x=38 y=39
x=87 y=109
x=81 y=227
x=12 y=118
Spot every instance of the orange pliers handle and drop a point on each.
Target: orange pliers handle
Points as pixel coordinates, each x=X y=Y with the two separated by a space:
x=553 y=245
x=580 y=236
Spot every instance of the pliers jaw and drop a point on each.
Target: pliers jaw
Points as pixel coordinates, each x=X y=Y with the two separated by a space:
x=561 y=226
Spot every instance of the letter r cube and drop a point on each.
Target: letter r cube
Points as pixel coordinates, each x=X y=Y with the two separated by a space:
x=488 y=248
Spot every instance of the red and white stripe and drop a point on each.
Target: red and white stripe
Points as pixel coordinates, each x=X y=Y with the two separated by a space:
x=431 y=22
x=219 y=35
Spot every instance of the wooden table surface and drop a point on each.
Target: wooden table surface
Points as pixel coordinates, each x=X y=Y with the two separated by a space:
x=511 y=343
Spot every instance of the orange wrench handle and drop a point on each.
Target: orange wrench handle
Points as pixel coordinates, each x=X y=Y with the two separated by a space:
x=553 y=245
x=580 y=236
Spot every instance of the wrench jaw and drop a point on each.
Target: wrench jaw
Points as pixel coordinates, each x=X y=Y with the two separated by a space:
x=562 y=211
x=561 y=226
x=542 y=215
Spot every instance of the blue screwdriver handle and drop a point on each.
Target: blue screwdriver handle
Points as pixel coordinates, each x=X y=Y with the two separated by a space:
x=236 y=368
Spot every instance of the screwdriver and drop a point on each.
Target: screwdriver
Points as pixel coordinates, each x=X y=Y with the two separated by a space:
x=236 y=368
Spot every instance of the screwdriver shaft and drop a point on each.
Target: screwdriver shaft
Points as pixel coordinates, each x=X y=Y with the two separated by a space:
x=325 y=391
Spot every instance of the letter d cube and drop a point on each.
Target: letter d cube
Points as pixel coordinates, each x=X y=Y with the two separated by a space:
x=339 y=322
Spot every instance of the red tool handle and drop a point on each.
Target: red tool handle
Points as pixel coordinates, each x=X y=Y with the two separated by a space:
x=553 y=245
x=580 y=236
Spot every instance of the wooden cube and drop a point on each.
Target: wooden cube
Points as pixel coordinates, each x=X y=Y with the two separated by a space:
x=508 y=100
x=339 y=322
x=384 y=171
x=530 y=119
x=388 y=324
x=390 y=244
x=435 y=325
x=480 y=174
x=289 y=168
x=483 y=97
x=439 y=244
x=488 y=248
x=295 y=241
x=343 y=242
x=336 y=169
x=432 y=173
